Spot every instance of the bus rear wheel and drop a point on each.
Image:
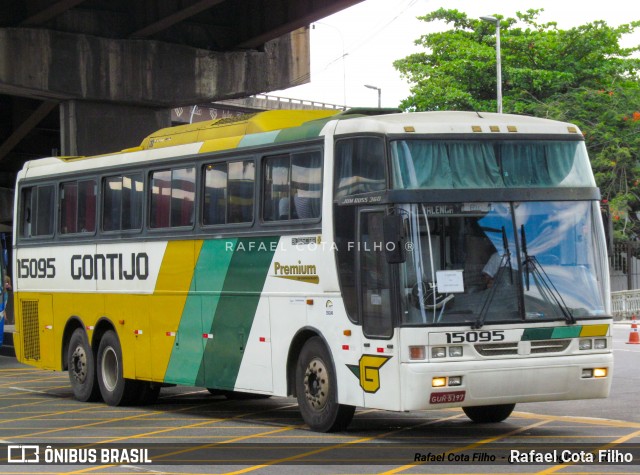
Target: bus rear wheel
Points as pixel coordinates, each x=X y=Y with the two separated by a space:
x=82 y=368
x=115 y=389
x=496 y=413
x=316 y=390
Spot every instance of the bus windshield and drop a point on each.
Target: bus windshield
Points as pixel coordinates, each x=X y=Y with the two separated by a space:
x=478 y=263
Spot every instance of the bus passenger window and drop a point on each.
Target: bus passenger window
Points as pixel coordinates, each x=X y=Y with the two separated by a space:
x=242 y=177
x=277 y=204
x=172 y=198
x=228 y=193
x=122 y=203
x=37 y=206
x=78 y=207
x=306 y=184
x=292 y=186
x=215 y=194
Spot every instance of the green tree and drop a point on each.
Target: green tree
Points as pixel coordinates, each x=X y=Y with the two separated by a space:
x=581 y=75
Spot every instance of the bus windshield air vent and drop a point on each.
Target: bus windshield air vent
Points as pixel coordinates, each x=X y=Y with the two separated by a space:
x=30 y=333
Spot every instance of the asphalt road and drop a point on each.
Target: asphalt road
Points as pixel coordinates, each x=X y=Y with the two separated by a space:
x=191 y=431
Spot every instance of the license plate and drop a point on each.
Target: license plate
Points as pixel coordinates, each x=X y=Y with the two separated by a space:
x=448 y=397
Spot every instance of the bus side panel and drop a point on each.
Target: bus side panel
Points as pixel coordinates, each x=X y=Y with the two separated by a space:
x=186 y=364
x=169 y=301
x=256 y=370
x=236 y=311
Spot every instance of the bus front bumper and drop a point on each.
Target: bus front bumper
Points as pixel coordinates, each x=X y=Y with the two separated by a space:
x=505 y=381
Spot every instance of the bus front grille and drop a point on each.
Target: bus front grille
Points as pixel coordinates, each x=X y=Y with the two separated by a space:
x=549 y=346
x=30 y=332
x=537 y=347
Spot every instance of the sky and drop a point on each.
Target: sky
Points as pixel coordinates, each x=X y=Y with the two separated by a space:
x=357 y=46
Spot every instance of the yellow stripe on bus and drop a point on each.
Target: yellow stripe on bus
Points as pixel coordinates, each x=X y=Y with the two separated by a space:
x=167 y=303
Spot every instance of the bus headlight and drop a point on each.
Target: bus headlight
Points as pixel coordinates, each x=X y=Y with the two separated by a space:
x=455 y=351
x=455 y=380
x=585 y=344
x=438 y=352
x=600 y=343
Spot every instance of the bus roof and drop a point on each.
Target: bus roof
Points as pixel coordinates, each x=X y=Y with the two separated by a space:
x=264 y=128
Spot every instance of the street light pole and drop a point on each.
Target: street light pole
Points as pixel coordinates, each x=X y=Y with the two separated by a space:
x=379 y=94
x=496 y=21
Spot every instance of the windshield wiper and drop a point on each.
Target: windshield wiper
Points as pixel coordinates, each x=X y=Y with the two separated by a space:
x=504 y=265
x=548 y=291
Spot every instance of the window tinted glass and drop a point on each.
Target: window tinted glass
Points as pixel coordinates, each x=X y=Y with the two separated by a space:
x=172 y=197
x=241 y=186
x=306 y=185
x=359 y=166
x=37 y=211
x=293 y=186
x=77 y=207
x=122 y=204
x=277 y=198
x=229 y=192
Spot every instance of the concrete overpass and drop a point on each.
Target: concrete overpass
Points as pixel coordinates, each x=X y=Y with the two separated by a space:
x=81 y=77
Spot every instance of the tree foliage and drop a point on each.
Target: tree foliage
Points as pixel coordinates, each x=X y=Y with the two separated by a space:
x=581 y=75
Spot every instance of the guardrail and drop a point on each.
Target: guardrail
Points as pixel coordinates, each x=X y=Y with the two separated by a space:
x=625 y=303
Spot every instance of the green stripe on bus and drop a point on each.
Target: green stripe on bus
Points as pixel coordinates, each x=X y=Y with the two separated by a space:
x=567 y=332
x=550 y=333
x=537 y=334
x=236 y=311
x=209 y=276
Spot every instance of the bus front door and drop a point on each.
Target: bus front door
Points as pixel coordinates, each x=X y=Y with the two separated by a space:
x=379 y=364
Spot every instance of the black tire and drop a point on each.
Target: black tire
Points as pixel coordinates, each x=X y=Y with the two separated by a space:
x=316 y=390
x=82 y=368
x=115 y=389
x=497 y=413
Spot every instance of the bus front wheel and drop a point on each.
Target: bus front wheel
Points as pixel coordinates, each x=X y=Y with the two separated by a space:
x=496 y=413
x=316 y=390
x=115 y=389
x=82 y=368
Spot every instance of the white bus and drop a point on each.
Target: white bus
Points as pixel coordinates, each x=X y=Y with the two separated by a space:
x=358 y=259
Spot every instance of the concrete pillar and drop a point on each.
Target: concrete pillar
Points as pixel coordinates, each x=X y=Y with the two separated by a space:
x=92 y=128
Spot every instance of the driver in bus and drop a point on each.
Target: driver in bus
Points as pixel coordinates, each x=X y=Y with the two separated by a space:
x=492 y=266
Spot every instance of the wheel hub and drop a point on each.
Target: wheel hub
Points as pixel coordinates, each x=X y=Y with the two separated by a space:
x=316 y=384
x=79 y=364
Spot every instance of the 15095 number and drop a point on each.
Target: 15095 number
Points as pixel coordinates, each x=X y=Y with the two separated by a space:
x=37 y=268
x=474 y=337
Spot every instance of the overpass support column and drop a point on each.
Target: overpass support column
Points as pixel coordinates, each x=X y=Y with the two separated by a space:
x=92 y=128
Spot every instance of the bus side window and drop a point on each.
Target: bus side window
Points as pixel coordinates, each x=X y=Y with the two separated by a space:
x=172 y=198
x=78 y=207
x=122 y=202
x=306 y=184
x=25 y=212
x=277 y=205
x=359 y=166
x=228 y=193
x=37 y=211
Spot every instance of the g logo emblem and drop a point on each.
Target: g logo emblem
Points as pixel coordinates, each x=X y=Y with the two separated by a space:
x=368 y=371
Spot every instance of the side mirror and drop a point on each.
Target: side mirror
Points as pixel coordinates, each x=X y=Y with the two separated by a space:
x=394 y=239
